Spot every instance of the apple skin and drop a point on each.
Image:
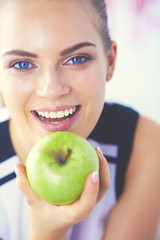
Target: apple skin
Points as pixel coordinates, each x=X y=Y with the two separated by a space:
x=60 y=183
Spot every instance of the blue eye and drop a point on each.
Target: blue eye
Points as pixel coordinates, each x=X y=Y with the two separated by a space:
x=77 y=60
x=22 y=65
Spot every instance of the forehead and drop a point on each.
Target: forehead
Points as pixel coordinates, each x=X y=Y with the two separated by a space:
x=42 y=9
x=59 y=21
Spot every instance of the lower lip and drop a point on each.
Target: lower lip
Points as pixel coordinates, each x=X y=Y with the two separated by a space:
x=61 y=126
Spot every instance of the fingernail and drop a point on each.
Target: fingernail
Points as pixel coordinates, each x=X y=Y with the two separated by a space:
x=100 y=151
x=95 y=177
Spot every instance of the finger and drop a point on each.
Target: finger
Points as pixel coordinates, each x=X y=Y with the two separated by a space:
x=87 y=201
x=104 y=175
x=23 y=184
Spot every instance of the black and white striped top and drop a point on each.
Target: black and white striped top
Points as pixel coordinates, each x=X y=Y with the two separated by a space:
x=114 y=134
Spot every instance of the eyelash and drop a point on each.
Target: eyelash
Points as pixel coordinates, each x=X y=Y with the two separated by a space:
x=76 y=60
x=83 y=58
x=29 y=67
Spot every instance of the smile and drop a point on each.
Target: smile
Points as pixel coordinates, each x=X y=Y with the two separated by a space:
x=60 y=115
x=59 y=120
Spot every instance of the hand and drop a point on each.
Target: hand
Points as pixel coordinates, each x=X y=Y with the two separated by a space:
x=52 y=222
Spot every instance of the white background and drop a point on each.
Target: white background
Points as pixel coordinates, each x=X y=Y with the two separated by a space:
x=135 y=26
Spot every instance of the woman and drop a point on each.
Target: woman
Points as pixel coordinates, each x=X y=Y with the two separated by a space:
x=56 y=57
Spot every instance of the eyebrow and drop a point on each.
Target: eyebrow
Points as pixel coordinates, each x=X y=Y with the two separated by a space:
x=64 y=52
x=20 y=53
x=76 y=47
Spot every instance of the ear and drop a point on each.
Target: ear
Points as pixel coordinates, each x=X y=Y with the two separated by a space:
x=111 y=60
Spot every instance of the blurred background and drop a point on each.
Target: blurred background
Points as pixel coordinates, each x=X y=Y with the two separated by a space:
x=135 y=26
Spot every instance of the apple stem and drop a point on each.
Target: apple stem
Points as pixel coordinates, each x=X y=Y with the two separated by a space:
x=67 y=155
x=60 y=157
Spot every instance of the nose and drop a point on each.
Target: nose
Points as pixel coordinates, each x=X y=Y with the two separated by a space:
x=52 y=85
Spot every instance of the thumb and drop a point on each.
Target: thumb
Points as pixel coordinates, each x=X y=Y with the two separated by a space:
x=23 y=184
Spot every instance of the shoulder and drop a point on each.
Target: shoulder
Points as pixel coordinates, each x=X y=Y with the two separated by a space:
x=147 y=137
x=145 y=158
x=139 y=202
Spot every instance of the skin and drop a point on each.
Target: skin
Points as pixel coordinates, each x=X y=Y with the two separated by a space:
x=82 y=85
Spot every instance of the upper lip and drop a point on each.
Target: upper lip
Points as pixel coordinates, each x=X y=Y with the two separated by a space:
x=55 y=108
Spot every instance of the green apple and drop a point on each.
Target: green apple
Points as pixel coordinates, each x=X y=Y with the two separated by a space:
x=58 y=165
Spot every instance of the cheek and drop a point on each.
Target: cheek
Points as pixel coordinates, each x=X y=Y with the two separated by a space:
x=91 y=90
x=15 y=92
x=92 y=84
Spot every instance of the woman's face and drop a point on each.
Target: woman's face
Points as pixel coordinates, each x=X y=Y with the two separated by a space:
x=52 y=67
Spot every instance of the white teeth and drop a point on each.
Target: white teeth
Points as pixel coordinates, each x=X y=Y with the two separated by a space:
x=71 y=111
x=53 y=115
x=66 y=113
x=46 y=114
x=59 y=114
